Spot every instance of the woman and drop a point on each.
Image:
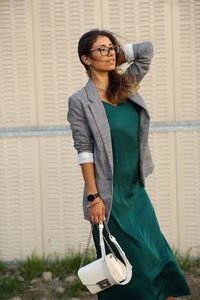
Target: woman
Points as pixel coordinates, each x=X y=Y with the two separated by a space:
x=110 y=124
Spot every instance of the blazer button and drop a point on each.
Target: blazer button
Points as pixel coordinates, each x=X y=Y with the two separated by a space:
x=109 y=178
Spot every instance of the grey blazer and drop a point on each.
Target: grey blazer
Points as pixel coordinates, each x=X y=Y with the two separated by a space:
x=91 y=130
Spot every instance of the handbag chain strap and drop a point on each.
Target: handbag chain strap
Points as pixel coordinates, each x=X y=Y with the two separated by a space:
x=88 y=243
x=87 y=247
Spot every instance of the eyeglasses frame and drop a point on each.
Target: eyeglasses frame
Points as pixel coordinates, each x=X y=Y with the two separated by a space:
x=116 y=49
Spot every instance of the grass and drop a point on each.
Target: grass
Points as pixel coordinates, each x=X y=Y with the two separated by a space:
x=34 y=266
x=11 y=287
x=187 y=262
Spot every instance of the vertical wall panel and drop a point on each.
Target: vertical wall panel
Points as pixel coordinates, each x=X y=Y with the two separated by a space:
x=58 y=26
x=188 y=171
x=62 y=186
x=186 y=43
x=161 y=184
x=136 y=21
x=186 y=33
x=17 y=85
x=20 y=211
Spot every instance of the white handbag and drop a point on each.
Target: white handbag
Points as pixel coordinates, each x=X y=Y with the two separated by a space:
x=107 y=270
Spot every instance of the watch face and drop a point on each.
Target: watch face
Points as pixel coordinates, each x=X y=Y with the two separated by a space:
x=90 y=198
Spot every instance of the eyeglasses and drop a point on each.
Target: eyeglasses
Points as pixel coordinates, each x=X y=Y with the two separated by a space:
x=106 y=50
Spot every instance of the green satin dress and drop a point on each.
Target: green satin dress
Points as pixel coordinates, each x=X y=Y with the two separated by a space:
x=156 y=273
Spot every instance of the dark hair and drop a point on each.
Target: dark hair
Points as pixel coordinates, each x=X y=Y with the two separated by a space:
x=120 y=85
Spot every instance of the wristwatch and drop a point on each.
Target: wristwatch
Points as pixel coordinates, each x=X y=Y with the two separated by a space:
x=92 y=197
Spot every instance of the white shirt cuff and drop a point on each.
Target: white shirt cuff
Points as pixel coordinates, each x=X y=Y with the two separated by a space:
x=85 y=157
x=129 y=53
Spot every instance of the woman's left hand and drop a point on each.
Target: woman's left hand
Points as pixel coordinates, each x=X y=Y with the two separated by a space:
x=96 y=211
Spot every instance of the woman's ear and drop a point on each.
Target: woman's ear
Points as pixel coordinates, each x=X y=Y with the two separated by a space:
x=85 y=60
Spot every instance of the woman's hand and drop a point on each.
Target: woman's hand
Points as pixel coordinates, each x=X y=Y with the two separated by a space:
x=96 y=212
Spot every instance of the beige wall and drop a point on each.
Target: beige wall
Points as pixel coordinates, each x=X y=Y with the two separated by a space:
x=40 y=180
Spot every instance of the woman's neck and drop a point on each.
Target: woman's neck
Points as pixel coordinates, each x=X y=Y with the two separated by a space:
x=101 y=81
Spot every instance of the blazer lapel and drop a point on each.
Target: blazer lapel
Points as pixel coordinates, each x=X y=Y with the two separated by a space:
x=138 y=100
x=100 y=117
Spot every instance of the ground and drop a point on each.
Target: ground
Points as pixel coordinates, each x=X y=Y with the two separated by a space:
x=41 y=290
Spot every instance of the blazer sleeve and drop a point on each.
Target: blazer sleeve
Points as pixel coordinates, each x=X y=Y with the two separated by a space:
x=140 y=56
x=81 y=134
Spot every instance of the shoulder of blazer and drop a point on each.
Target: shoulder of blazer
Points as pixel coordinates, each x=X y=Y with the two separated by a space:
x=78 y=94
x=75 y=101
